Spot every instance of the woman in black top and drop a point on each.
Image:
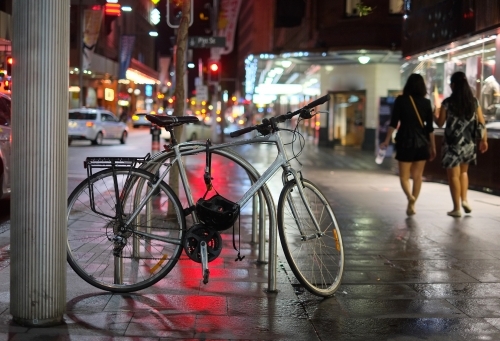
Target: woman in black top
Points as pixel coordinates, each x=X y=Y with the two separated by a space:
x=411 y=152
x=460 y=111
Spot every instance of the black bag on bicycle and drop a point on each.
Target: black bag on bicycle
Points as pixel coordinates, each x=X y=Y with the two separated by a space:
x=217 y=212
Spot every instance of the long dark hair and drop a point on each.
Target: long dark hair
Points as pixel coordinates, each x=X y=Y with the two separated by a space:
x=415 y=86
x=462 y=99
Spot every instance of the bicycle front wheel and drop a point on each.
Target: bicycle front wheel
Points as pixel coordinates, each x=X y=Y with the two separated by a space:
x=316 y=256
x=118 y=258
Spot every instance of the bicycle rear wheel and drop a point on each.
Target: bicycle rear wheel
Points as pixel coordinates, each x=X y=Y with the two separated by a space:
x=315 y=257
x=116 y=258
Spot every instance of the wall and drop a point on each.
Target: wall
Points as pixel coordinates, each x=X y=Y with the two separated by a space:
x=5 y=26
x=375 y=79
x=431 y=24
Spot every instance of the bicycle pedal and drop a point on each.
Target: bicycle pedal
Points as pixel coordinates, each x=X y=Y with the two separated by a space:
x=206 y=274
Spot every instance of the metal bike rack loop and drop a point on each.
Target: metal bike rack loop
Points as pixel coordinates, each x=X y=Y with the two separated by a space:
x=264 y=197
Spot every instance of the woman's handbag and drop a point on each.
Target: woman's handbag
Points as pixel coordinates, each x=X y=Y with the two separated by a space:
x=421 y=140
x=478 y=129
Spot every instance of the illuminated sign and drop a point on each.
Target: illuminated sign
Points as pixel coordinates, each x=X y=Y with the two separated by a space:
x=109 y=94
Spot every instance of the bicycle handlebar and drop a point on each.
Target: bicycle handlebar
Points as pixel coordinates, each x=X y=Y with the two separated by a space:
x=283 y=118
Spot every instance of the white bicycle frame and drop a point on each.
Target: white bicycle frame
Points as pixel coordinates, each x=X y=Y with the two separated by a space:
x=281 y=162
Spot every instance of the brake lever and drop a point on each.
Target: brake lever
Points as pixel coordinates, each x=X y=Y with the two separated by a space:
x=306 y=114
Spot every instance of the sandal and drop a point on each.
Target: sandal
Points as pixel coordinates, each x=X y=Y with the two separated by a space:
x=466 y=207
x=410 y=209
x=456 y=214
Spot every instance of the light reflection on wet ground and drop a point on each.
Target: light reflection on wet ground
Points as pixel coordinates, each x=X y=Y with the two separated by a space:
x=429 y=277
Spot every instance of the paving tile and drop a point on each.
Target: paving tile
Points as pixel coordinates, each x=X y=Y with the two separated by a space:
x=458 y=290
x=168 y=304
x=398 y=276
x=156 y=324
x=254 y=328
x=395 y=308
x=478 y=307
x=93 y=302
x=375 y=291
x=406 y=329
x=270 y=306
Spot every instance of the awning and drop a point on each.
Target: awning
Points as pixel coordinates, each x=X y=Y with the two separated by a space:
x=142 y=74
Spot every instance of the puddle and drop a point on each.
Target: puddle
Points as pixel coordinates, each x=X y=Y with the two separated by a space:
x=4 y=257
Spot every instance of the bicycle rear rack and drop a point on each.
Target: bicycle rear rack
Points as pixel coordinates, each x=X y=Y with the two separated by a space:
x=114 y=163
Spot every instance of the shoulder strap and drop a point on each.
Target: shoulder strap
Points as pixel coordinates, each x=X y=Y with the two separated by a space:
x=416 y=111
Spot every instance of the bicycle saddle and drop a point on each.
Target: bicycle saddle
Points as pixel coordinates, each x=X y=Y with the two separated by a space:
x=167 y=120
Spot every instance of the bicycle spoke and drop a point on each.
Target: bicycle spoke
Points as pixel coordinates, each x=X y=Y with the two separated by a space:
x=314 y=256
x=94 y=251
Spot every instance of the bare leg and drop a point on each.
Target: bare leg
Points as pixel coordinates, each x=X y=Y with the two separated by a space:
x=404 y=179
x=454 y=183
x=464 y=186
x=417 y=170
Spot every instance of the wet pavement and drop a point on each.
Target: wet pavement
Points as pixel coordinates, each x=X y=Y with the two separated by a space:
x=428 y=277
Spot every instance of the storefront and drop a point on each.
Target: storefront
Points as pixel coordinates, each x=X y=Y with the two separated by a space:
x=102 y=89
x=476 y=56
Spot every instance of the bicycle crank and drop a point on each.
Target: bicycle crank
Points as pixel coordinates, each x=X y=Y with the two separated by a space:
x=192 y=243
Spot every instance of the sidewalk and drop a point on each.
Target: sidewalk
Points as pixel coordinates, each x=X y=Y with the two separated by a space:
x=428 y=277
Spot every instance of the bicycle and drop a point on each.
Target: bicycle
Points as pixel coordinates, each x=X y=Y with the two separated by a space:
x=127 y=227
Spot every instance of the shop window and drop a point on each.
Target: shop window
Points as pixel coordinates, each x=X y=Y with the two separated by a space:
x=396 y=6
x=351 y=7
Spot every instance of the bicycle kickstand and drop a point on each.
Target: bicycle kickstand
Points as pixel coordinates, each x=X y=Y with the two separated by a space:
x=204 y=261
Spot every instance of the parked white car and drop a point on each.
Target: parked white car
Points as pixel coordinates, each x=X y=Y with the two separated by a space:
x=95 y=125
x=5 y=145
x=191 y=132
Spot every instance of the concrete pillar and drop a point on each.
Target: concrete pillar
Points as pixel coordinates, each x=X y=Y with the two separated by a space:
x=40 y=48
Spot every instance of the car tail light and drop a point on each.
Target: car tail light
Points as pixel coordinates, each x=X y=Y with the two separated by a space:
x=89 y=124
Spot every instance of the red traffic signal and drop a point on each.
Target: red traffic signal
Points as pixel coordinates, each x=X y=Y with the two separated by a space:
x=214 y=71
x=174 y=12
x=9 y=60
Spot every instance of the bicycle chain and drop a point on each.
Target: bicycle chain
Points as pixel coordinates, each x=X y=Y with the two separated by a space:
x=143 y=237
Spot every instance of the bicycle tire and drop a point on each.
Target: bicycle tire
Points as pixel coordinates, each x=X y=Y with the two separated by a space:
x=317 y=261
x=142 y=261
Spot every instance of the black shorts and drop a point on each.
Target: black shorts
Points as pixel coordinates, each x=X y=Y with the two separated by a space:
x=412 y=154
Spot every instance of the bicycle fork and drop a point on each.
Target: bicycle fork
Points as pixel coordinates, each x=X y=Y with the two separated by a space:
x=296 y=215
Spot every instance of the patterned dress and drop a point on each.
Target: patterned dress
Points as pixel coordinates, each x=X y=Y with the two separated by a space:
x=458 y=144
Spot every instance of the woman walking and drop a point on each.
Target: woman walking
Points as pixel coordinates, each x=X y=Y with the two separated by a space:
x=460 y=111
x=412 y=116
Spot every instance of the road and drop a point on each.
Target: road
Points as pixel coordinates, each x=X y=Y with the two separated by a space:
x=138 y=144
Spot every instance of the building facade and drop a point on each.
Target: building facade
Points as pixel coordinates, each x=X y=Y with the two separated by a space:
x=441 y=37
x=96 y=39
x=294 y=51
x=113 y=63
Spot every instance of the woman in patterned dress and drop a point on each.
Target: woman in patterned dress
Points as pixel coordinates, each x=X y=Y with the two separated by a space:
x=460 y=111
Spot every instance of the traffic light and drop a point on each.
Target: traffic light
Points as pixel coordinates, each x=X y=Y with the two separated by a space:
x=174 y=13
x=9 y=62
x=214 y=71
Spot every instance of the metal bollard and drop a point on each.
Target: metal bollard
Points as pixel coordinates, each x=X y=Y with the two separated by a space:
x=155 y=138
